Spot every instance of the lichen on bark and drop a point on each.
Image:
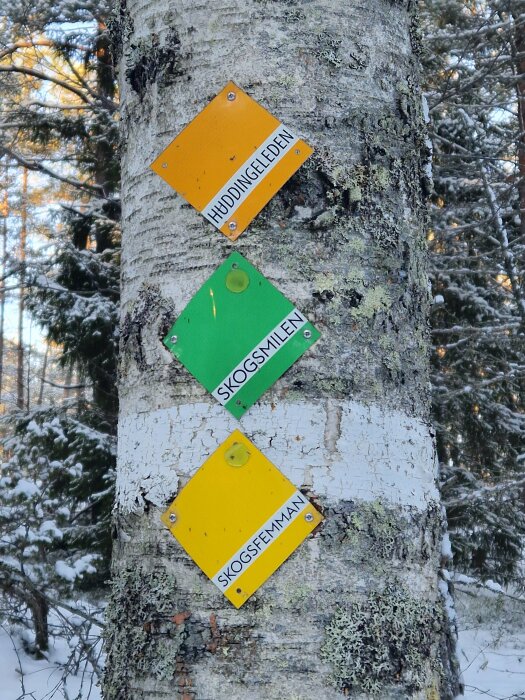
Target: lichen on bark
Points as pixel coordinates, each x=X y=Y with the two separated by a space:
x=384 y=643
x=343 y=239
x=142 y=632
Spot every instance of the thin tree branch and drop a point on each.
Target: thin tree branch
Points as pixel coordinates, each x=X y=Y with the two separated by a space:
x=38 y=166
x=46 y=77
x=61 y=386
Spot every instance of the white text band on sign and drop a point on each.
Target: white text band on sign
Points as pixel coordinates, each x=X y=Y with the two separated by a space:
x=252 y=171
x=260 y=541
x=259 y=355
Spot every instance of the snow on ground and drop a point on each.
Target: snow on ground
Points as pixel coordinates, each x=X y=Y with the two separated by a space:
x=491 y=653
x=24 y=678
x=491 y=644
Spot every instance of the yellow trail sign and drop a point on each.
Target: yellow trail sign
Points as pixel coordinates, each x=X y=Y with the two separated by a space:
x=231 y=160
x=239 y=518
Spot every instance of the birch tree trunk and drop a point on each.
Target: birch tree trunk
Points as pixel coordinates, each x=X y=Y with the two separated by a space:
x=358 y=610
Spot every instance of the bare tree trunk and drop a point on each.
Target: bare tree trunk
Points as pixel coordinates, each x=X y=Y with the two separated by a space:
x=358 y=609
x=68 y=383
x=43 y=377
x=106 y=88
x=20 y=402
x=39 y=612
x=28 y=367
x=5 y=213
x=519 y=57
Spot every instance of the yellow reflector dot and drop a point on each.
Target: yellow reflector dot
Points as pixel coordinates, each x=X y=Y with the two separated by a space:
x=237 y=280
x=240 y=525
x=237 y=455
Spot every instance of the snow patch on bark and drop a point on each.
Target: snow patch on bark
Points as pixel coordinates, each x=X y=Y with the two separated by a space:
x=371 y=453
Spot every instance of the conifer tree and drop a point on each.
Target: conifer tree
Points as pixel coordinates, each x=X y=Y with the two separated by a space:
x=55 y=534
x=474 y=74
x=59 y=121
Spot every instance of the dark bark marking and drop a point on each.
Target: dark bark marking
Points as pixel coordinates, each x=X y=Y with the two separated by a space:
x=150 y=309
x=155 y=64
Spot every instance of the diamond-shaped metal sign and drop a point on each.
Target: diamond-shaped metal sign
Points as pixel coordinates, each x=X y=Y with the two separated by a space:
x=239 y=334
x=239 y=518
x=231 y=160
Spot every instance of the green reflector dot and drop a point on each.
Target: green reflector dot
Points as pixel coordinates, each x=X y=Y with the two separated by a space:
x=237 y=280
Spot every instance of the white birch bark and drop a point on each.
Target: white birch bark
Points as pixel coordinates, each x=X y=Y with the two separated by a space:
x=357 y=609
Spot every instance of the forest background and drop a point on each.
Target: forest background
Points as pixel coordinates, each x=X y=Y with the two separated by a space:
x=59 y=295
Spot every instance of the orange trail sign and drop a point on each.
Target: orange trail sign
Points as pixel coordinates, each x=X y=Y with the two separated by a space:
x=231 y=160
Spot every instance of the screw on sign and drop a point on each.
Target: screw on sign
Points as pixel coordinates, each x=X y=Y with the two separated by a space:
x=239 y=334
x=231 y=160
x=239 y=518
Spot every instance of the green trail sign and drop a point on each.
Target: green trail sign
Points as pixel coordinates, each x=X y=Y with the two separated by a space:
x=239 y=334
